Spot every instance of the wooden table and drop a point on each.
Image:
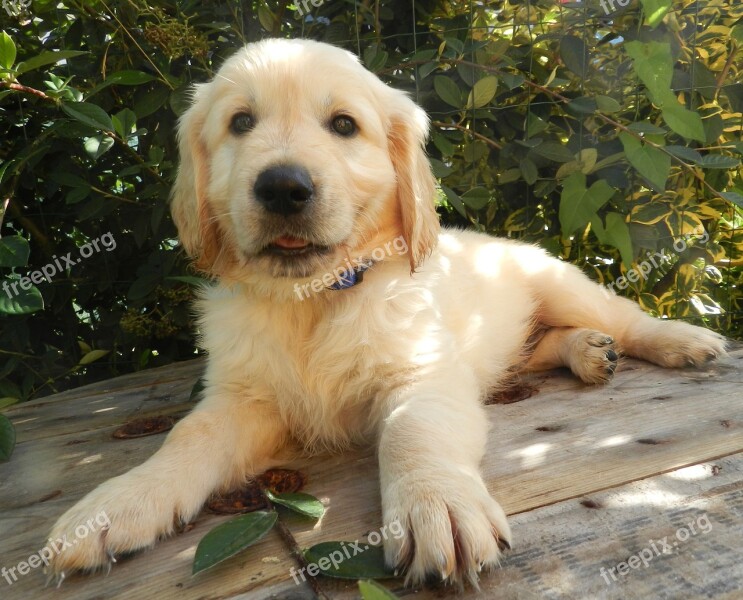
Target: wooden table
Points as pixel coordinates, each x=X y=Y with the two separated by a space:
x=591 y=476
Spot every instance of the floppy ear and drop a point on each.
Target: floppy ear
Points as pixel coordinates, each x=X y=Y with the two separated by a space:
x=189 y=206
x=416 y=185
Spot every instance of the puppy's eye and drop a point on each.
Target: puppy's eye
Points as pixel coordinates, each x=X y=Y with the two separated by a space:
x=242 y=123
x=344 y=126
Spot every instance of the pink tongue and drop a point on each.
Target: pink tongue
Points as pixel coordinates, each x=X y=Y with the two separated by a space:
x=290 y=242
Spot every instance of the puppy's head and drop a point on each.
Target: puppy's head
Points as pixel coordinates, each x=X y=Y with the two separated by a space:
x=295 y=157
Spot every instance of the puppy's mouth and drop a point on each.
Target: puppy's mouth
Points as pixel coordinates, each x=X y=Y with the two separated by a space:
x=293 y=246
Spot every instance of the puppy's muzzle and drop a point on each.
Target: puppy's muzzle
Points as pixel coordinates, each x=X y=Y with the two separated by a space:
x=284 y=189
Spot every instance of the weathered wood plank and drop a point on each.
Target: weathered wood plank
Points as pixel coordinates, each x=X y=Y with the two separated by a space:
x=564 y=442
x=562 y=548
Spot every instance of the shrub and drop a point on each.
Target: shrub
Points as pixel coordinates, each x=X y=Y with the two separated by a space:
x=603 y=137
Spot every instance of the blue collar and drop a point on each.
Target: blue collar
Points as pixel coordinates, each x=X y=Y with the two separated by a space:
x=350 y=277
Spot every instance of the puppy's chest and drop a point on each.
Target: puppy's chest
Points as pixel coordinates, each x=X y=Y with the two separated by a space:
x=332 y=364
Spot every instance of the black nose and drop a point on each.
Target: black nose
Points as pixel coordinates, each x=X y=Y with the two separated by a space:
x=284 y=189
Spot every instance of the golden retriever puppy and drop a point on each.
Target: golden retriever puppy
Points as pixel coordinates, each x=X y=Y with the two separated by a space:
x=342 y=314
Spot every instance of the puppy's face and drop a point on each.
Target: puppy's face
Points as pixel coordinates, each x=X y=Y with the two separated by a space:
x=293 y=157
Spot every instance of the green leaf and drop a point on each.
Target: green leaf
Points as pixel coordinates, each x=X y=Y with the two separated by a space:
x=650 y=213
x=733 y=197
x=443 y=143
x=7 y=51
x=93 y=356
x=6 y=402
x=3 y=168
x=653 y=64
x=129 y=78
x=304 y=504
x=651 y=163
x=454 y=200
x=46 y=58
x=655 y=10
x=375 y=57
x=529 y=171
x=554 y=151
x=476 y=198
x=371 y=590
x=587 y=159
x=719 y=161
x=14 y=251
x=23 y=303
x=574 y=54
x=607 y=104
x=266 y=17
x=7 y=438
x=683 y=121
x=125 y=122
x=578 y=204
x=229 y=538
x=583 y=105
x=343 y=560
x=96 y=146
x=616 y=234
x=482 y=92
x=447 y=91
x=684 y=153
x=534 y=125
x=89 y=114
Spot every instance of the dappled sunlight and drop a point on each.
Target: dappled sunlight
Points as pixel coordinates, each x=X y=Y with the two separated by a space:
x=651 y=494
x=614 y=440
x=187 y=554
x=89 y=459
x=488 y=259
x=692 y=473
x=427 y=349
x=531 y=456
x=450 y=243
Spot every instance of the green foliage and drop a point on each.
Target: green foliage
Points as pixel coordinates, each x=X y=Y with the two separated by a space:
x=601 y=137
x=241 y=532
x=344 y=560
x=231 y=537
x=371 y=590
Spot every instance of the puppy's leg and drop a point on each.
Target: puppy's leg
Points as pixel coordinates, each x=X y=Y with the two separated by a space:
x=589 y=354
x=225 y=439
x=430 y=449
x=569 y=299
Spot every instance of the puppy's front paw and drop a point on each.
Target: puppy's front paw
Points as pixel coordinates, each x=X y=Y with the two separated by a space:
x=592 y=356
x=452 y=527
x=123 y=514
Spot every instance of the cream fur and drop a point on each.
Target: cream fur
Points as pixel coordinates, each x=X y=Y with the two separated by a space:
x=402 y=359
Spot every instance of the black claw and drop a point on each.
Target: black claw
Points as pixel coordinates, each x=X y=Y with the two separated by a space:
x=611 y=355
x=503 y=545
